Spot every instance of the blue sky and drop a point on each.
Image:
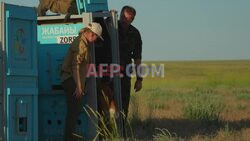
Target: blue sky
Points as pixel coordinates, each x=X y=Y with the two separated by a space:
x=188 y=29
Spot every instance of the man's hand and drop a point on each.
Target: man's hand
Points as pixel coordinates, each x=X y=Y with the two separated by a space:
x=78 y=93
x=138 y=85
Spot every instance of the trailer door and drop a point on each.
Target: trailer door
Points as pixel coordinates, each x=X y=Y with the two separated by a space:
x=18 y=73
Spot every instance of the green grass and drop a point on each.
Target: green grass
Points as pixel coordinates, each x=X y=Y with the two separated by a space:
x=175 y=107
x=164 y=135
x=202 y=74
x=203 y=107
x=227 y=131
x=192 y=90
x=242 y=96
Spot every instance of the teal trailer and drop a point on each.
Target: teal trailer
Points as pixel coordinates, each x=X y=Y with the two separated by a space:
x=32 y=102
x=19 y=74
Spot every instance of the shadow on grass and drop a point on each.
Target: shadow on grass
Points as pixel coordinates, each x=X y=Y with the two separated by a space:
x=144 y=130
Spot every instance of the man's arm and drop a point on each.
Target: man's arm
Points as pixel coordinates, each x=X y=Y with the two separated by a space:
x=137 y=64
x=76 y=77
x=137 y=60
x=138 y=82
x=76 y=61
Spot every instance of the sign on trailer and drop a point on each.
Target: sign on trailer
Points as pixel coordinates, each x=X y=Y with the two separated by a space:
x=58 y=33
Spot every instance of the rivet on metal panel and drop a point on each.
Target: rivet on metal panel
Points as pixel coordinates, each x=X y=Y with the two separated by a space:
x=59 y=122
x=79 y=122
x=49 y=122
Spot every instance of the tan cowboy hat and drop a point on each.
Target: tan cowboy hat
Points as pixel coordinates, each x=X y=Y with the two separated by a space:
x=96 y=28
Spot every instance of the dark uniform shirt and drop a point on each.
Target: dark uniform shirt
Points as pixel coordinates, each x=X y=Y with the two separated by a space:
x=130 y=45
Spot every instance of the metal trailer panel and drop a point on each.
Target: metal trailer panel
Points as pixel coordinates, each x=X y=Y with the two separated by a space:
x=1 y=81
x=117 y=79
x=22 y=124
x=21 y=42
x=52 y=118
x=19 y=77
x=91 y=5
x=59 y=17
x=2 y=69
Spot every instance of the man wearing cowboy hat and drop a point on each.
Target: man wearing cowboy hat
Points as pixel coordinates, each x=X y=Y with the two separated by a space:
x=74 y=71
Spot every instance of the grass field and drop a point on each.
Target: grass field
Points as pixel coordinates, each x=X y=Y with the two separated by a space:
x=196 y=101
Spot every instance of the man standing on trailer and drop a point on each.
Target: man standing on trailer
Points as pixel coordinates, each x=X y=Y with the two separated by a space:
x=130 y=48
x=57 y=6
x=74 y=73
